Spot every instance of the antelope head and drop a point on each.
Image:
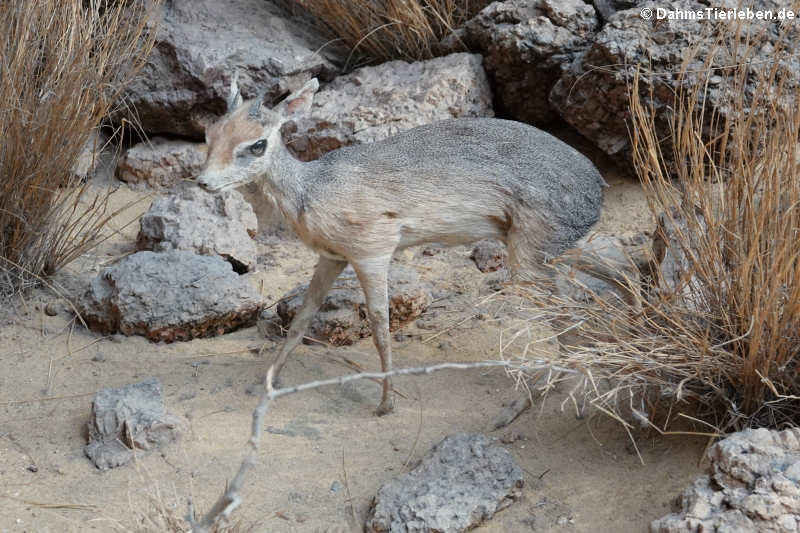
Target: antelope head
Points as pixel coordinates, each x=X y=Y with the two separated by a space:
x=243 y=143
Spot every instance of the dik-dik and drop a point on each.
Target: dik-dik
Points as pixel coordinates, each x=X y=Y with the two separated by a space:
x=452 y=182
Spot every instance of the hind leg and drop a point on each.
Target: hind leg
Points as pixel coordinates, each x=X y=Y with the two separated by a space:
x=325 y=274
x=373 y=274
x=528 y=259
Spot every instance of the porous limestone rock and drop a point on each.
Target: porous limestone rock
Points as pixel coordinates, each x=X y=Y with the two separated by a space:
x=128 y=419
x=460 y=483
x=752 y=485
x=200 y=43
x=170 y=296
x=161 y=162
x=373 y=103
x=189 y=218
x=526 y=45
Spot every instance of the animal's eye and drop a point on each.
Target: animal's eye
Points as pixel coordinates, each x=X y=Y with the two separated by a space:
x=258 y=147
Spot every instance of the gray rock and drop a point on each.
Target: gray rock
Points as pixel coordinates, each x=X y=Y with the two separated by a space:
x=170 y=296
x=595 y=101
x=459 y=484
x=269 y=324
x=342 y=318
x=200 y=43
x=752 y=485
x=606 y=8
x=161 y=162
x=127 y=419
x=373 y=103
x=51 y=309
x=489 y=255
x=189 y=218
x=527 y=44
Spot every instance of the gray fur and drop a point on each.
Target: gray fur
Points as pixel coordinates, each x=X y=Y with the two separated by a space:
x=452 y=182
x=490 y=166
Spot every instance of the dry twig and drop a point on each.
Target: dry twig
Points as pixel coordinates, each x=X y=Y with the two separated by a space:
x=231 y=498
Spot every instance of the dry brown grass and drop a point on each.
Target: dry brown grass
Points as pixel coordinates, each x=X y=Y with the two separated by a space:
x=393 y=29
x=721 y=343
x=64 y=64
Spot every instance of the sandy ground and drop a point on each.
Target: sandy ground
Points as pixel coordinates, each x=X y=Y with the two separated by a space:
x=324 y=453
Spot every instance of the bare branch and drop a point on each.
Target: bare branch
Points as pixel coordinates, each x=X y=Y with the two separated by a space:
x=231 y=499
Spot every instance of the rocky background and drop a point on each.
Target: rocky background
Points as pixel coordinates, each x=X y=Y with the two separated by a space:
x=562 y=65
x=544 y=62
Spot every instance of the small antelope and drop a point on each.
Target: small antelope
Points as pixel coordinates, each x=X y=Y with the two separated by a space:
x=452 y=182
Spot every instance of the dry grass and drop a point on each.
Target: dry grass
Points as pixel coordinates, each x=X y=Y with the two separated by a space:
x=155 y=515
x=64 y=64
x=393 y=29
x=719 y=339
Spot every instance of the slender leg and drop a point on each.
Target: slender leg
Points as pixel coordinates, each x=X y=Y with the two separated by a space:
x=325 y=274
x=373 y=274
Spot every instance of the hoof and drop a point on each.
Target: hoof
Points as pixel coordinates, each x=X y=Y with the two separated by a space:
x=384 y=408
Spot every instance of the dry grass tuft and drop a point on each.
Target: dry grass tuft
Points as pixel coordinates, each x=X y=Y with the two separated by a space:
x=717 y=338
x=156 y=516
x=64 y=64
x=393 y=29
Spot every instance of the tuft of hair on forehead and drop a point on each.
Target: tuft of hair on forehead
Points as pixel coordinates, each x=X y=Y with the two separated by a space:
x=255 y=107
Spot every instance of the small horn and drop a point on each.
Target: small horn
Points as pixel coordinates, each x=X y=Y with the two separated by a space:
x=255 y=107
x=234 y=96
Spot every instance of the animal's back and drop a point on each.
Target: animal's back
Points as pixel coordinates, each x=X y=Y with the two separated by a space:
x=487 y=167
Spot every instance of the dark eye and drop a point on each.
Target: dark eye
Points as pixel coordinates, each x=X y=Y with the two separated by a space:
x=258 y=147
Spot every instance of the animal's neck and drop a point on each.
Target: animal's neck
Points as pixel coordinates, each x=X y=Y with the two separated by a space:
x=285 y=180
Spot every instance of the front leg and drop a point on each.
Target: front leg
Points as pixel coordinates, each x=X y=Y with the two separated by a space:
x=325 y=274
x=373 y=274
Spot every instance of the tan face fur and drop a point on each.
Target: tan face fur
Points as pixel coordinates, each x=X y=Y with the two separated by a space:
x=235 y=154
x=242 y=143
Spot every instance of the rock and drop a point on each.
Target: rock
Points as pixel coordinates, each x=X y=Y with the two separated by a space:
x=751 y=485
x=373 y=103
x=595 y=101
x=511 y=412
x=127 y=419
x=342 y=318
x=170 y=296
x=463 y=481
x=527 y=44
x=489 y=255
x=269 y=324
x=430 y=251
x=200 y=43
x=161 y=162
x=190 y=218
x=606 y=8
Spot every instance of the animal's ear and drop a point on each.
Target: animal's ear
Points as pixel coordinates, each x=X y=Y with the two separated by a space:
x=234 y=96
x=299 y=102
